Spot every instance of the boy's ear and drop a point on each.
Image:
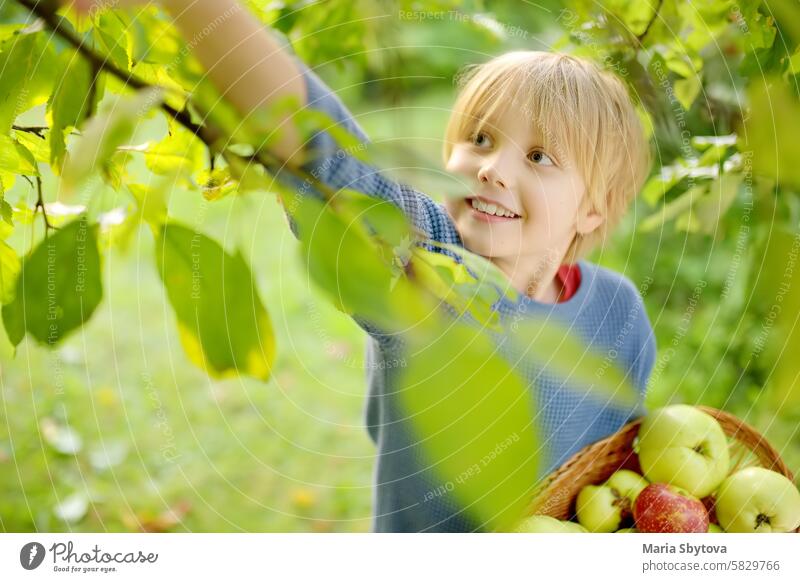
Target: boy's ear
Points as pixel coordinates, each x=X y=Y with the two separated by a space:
x=588 y=221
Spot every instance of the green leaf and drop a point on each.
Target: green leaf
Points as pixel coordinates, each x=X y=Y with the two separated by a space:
x=69 y=103
x=484 y=269
x=383 y=217
x=657 y=187
x=10 y=30
x=103 y=134
x=151 y=200
x=251 y=177
x=9 y=271
x=775 y=292
x=769 y=132
x=716 y=203
x=686 y=90
x=15 y=158
x=152 y=38
x=223 y=325
x=37 y=146
x=688 y=222
x=180 y=152
x=27 y=71
x=59 y=286
x=673 y=208
x=451 y=282
x=712 y=155
x=111 y=31
x=760 y=29
x=217 y=183
x=473 y=417
x=6 y=212
x=343 y=260
x=682 y=65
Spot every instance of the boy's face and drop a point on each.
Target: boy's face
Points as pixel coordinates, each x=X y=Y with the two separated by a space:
x=505 y=164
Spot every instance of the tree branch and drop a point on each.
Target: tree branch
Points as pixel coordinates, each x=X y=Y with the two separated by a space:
x=55 y=23
x=37 y=130
x=40 y=204
x=207 y=134
x=640 y=37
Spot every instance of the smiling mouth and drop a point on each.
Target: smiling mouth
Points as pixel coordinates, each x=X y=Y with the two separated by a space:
x=489 y=211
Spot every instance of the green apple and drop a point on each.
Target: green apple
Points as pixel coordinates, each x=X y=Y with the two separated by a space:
x=604 y=508
x=627 y=484
x=597 y=509
x=547 y=524
x=683 y=446
x=714 y=528
x=757 y=500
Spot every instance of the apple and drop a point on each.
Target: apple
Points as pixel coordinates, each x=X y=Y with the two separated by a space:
x=597 y=509
x=604 y=508
x=757 y=500
x=547 y=524
x=714 y=528
x=710 y=504
x=627 y=530
x=685 y=447
x=663 y=508
x=627 y=483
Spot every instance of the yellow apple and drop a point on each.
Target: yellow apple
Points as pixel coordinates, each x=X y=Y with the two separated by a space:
x=547 y=524
x=757 y=500
x=604 y=508
x=683 y=446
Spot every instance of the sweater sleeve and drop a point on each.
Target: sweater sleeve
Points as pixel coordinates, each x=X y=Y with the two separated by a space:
x=337 y=168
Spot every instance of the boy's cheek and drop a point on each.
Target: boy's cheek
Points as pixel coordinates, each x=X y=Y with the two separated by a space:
x=455 y=207
x=461 y=162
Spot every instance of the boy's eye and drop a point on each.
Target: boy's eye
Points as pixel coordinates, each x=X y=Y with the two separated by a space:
x=481 y=139
x=540 y=158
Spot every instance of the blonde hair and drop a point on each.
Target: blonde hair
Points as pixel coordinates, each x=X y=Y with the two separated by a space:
x=579 y=110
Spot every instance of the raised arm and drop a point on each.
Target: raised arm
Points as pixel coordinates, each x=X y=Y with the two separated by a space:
x=243 y=60
x=250 y=67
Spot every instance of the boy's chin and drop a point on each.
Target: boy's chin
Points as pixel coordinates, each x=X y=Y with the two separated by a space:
x=475 y=245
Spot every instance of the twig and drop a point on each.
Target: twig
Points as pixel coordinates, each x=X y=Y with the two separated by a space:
x=40 y=204
x=640 y=37
x=205 y=133
x=55 y=23
x=36 y=130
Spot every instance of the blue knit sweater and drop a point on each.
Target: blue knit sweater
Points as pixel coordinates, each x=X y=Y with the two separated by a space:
x=606 y=312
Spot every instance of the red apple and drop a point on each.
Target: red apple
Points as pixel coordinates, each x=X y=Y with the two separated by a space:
x=662 y=508
x=710 y=504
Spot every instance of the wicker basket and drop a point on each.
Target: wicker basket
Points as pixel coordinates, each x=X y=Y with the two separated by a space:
x=596 y=463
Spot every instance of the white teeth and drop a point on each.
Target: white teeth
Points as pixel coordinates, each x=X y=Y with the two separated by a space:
x=492 y=209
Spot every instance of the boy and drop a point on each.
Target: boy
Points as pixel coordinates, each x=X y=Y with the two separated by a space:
x=551 y=153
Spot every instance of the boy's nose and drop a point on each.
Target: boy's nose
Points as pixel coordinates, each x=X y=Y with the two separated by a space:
x=490 y=176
